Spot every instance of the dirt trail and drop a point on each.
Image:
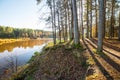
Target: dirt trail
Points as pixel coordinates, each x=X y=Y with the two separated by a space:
x=108 y=63
x=94 y=72
x=113 y=44
x=113 y=54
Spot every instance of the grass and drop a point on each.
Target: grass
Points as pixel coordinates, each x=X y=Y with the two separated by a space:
x=33 y=57
x=97 y=52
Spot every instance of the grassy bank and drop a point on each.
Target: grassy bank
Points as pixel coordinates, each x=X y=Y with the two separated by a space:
x=4 y=41
x=64 y=61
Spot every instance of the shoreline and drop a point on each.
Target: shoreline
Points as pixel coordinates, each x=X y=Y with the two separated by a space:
x=8 y=72
x=46 y=60
x=11 y=40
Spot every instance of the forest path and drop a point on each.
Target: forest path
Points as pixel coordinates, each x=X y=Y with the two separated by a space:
x=110 y=43
x=107 y=63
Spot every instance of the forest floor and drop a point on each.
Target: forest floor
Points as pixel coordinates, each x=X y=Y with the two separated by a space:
x=111 y=43
x=107 y=64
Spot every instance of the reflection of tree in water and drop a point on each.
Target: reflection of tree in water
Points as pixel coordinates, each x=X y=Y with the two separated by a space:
x=24 y=44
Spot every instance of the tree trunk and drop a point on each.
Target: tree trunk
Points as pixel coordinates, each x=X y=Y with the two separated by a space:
x=79 y=21
x=62 y=30
x=54 y=22
x=51 y=8
x=119 y=28
x=66 y=24
x=70 y=32
x=82 y=19
x=87 y=20
x=112 y=20
x=76 y=33
x=96 y=19
x=91 y=19
x=72 y=23
x=108 y=25
x=59 y=27
x=100 y=27
x=104 y=26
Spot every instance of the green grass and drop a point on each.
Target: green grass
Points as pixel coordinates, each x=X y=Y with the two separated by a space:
x=33 y=57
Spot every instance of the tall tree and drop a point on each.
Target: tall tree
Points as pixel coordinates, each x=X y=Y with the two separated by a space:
x=96 y=20
x=54 y=20
x=72 y=23
x=87 y=18
x=59 y=24
x=65 y=7
x=100 y=26
x=76 y=33
x=70 y=28
x=112 y=20
x=49 y=2
x=104 y=26
x=119 y=28
x=82 y=19
x=61 y=19
x=90 y=18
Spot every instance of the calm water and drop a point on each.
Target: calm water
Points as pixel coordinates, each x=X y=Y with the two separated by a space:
x=20 y=51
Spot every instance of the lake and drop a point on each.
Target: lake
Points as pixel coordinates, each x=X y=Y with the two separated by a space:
x=20 y=51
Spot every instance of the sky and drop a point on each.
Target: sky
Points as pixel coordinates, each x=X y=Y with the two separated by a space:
x=22 y=14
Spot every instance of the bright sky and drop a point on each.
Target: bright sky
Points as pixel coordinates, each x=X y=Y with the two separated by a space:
x=21 y=14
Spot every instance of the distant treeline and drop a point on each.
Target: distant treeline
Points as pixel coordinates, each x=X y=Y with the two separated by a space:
x=9 y=32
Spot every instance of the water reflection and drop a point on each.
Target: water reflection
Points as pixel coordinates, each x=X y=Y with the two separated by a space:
x=24 y=44
x=22 y=51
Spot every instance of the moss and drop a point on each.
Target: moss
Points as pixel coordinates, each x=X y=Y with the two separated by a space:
x=29 y=78
x=77 y=46
x=98 y=52
x=33 y=57
x=94 y=50
x=50 y=44
x=91 y=61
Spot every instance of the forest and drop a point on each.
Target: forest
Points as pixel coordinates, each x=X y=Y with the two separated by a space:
x=79 y=19
x=9 y=32
x=85 y=42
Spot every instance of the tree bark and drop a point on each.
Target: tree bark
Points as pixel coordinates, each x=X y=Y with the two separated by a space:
x=100 y=27
x=51 y=9
x=104 y=26
x=96 y=35
x=119 y=28
x=76 y=33
x=112 y=20
x=82 y=19
x=87 y=19
x=59 y=27
x=54 y=22
x=68 y=10
x=66 y=36
x=91 y=19
x=72 y=23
